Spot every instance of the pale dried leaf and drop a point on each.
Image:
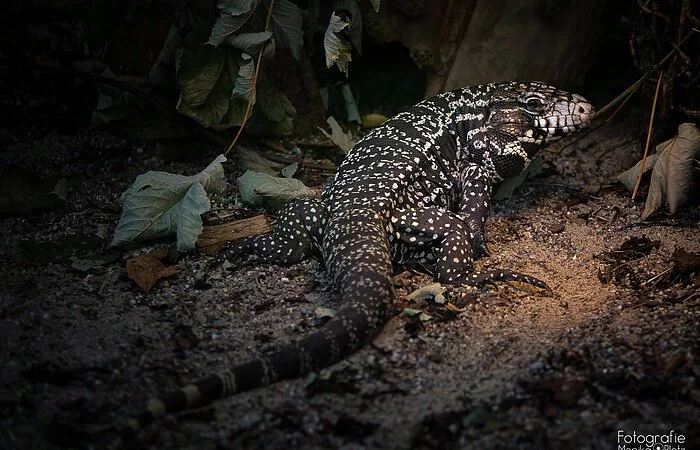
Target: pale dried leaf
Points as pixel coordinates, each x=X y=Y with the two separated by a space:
x=629 y=177
x=432 y=292
x=681 y=160
x=337 y=48
x=339 y=137
x=256 y=187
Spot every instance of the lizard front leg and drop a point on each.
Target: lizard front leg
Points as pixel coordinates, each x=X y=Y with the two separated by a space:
x=439 y=238
x=474 y=207
x=297 y=236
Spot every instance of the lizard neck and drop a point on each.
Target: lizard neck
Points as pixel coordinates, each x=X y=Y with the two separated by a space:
x=467 y=125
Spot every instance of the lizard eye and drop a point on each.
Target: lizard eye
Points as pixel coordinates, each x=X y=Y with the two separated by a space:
x=534 y=104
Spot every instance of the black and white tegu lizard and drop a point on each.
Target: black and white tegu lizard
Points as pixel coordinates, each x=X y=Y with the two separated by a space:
x=415 y=190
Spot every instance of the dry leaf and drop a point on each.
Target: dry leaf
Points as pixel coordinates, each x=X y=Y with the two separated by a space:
x=146 y=270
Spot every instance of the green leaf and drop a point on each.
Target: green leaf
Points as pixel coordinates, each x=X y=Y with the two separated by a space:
x=276 y=106
x=206 y=75
x=257 y=187
x=248 y=42
x=160 y=204
x=251 y=160
x=212 y=177
x=235 y=7
x=337 y=48
x=286 y=25
x=244 y=88
x=225 y=26
x=375 y=4
x=410 y=312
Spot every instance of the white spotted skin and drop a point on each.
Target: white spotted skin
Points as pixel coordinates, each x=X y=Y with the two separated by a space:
x=418 y=190
x=415 y=190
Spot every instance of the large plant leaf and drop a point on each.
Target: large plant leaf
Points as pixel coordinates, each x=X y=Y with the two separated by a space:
x=671 y=171
x=629 y=177
x=681 y=160
x=286 y=25
x=250 y=160
x=276 y=106
x=212 y=177
x=207 y=75
x=248 y=42
x=226 y=25
x=244 y=88
x=256 y=187
x=160 y=204
x=235 y=7
x=337 y=48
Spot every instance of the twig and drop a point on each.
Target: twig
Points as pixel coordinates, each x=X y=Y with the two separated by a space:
x=654 y=278
x=643 y=7
x=638 y=83
x=623 y=103
x=255 y=82
x=651 y=126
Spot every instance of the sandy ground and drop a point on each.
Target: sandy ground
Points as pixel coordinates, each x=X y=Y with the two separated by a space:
x=514 y=369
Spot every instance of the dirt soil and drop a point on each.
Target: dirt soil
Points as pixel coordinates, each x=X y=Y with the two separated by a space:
x=616 y=347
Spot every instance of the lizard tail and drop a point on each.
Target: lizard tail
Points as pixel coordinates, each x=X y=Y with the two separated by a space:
x=367 y=292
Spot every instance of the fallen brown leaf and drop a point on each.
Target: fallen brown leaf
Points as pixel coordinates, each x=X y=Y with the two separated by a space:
x=147 y=269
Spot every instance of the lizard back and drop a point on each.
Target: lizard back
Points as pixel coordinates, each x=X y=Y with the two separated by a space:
x=415 y=190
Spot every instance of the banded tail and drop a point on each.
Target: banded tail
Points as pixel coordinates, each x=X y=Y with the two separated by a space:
x=363 y=273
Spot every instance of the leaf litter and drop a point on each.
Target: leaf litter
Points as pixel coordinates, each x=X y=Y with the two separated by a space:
x=498 y=373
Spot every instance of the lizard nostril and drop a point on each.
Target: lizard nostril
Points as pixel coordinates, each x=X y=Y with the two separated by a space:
x=581 y=109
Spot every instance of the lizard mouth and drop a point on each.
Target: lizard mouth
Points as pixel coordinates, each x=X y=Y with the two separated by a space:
x=564 y=123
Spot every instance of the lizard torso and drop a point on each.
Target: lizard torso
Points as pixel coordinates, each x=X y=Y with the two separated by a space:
x=416 y=189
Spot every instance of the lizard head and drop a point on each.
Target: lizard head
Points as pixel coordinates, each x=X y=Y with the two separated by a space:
x=524 y=117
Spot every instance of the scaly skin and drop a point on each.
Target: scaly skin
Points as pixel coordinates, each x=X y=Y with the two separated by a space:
x=416 y=189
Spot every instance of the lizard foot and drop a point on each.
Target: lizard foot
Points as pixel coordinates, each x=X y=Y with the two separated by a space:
x=482 y=277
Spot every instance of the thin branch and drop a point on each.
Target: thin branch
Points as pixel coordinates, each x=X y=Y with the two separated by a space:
x=651 y=125
x=638 y=83
x=255 y=83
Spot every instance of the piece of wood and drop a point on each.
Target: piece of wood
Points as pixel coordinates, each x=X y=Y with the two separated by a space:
x=214 y=236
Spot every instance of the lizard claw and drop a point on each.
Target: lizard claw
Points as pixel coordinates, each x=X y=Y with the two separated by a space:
x=481 y=278
x=480 y=250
